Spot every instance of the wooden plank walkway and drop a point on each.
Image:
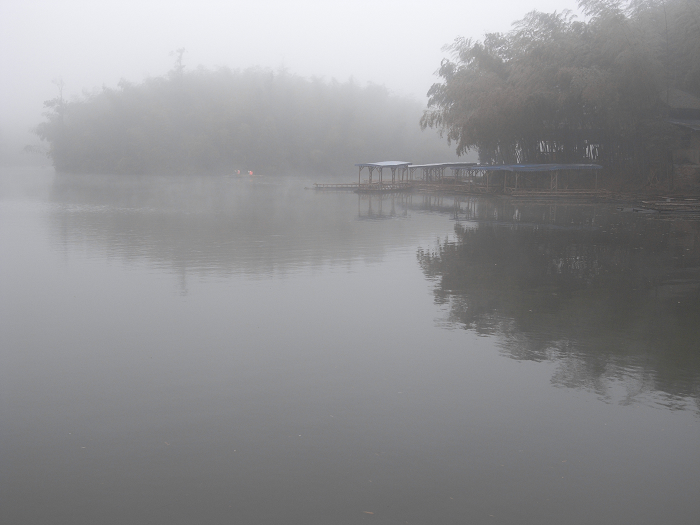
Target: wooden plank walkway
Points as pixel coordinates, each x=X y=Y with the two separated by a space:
x=375 y=187
x=560 y=194
x=386 y=187
x=680 y=207
x=335 y=187
x=452 y=188
x=449 y=189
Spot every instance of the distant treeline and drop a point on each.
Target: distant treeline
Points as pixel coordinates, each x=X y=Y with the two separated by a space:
x=227 y=120
x=559 y=90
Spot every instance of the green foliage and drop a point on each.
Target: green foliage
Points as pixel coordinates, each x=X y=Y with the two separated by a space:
x=224 y=120
x=558 y=90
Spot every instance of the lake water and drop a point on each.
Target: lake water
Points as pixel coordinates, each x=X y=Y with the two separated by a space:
x=179 y=350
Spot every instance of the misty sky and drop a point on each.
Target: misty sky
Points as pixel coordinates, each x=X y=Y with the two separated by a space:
x=97 y=42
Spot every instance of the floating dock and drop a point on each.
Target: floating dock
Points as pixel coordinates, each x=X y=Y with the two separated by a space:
x=375 y=187
x=674 y=207
x=335 y=187
x=470 y=178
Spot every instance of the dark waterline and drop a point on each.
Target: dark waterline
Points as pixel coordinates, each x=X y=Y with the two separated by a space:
x=210 y=350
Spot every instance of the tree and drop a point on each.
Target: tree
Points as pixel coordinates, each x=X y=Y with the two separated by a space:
x=555 y=89
x=227 y=120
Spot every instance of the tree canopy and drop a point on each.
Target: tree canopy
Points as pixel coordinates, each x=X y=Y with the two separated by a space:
x=555 y=89
x=223 y=120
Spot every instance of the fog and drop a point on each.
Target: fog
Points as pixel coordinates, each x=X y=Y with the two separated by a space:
x=93 y=44
x=213 y=349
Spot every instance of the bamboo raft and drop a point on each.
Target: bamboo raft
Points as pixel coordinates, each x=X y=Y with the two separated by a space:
x=455 y=189
x=460 y=189
x=560 y=194
x=374 y=187
x=386 y=187
x=673 y=206
x=335 y=187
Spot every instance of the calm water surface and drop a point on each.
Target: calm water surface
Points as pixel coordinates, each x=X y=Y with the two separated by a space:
x=213 y=350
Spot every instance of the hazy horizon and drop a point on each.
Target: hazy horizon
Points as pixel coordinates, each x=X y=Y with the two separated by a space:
x=90 y=45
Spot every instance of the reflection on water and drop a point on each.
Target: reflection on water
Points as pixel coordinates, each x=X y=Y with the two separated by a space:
x=222 y=225
x=612 y=297
x=178 y=350
x=383 y=206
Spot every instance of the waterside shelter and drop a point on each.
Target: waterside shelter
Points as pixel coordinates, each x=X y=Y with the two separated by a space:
x=470 y=177
x=401 y=176
x=519 y=178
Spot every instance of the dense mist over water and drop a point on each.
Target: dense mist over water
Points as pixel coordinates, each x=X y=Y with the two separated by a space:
x=191 y=332
x=210 y=348
x=90 y=45
x=235 y=122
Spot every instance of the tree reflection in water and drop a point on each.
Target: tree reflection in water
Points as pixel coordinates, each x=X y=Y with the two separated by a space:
x=612 y=297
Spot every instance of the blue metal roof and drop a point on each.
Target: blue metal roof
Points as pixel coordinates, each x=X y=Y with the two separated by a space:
x=460 y=164
x=484 y=167
x=535 y=167
x=384 y=164
x=445 y=165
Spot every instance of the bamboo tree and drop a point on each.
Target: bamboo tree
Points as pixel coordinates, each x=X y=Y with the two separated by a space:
x=555 y=89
